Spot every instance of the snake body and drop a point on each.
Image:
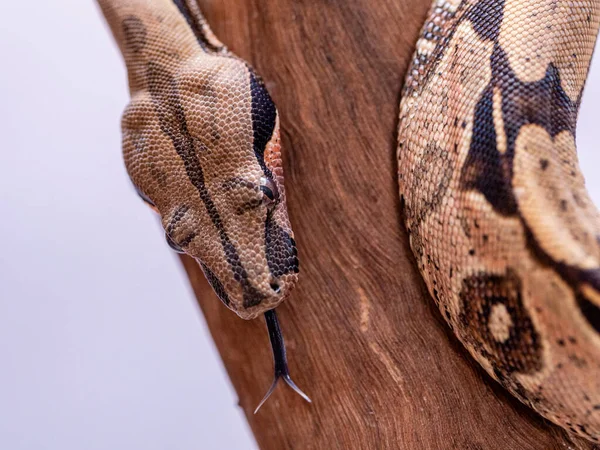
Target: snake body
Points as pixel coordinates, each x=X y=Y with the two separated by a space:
x=503 y=230
x=504 y=233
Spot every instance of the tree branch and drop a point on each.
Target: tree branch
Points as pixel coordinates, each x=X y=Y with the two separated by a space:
x=364 y=339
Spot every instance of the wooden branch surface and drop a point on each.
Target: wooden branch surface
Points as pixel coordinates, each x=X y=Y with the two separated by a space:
x=364 y=339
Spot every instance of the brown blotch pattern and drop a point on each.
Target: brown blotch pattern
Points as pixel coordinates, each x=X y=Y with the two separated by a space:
x=508 y=248
x=429 y=196
x=135 y=33
x=480 y=296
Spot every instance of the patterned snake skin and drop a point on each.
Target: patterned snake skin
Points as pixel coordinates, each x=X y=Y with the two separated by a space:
x=504 y=233
x=201 y=145
x=500 y=223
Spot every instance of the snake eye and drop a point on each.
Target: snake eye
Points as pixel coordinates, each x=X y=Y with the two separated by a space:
x=269 y=189
x=268 y=192
x=172 y=244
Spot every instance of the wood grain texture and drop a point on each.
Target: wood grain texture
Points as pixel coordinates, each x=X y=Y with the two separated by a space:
x=364 y=339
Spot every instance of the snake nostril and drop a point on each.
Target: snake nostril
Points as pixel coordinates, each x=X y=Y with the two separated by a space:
x=275 y=286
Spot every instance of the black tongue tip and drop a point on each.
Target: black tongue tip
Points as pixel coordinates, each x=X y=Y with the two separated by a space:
x=279 y=359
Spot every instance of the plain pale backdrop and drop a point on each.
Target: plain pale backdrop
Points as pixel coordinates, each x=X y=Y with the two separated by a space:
x=101 y=341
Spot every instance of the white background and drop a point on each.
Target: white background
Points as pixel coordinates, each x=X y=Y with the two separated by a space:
x=102 y=345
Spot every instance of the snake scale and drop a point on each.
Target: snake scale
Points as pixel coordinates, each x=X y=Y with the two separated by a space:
x=500 y=223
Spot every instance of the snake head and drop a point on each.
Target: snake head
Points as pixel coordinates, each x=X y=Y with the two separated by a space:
x=201 y=145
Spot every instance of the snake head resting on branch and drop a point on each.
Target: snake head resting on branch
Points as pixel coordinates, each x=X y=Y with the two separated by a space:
x=201 y=145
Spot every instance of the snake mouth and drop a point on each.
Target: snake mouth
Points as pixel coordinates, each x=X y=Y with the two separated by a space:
x=257 y=299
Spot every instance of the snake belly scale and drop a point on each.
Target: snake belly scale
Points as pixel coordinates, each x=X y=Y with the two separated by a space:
x=502 y=228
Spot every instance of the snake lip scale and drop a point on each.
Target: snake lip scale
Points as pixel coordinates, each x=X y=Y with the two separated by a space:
x=499 y=221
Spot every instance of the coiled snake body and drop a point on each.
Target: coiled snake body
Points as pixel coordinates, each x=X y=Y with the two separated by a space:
x=503 y=230
x=500 y=223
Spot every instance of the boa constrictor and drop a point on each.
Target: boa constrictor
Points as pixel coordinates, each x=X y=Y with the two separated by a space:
x=201 y=146
x=504 y=233
x=503 y=230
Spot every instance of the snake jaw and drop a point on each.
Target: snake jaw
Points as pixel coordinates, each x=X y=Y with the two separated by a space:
x=279 y=359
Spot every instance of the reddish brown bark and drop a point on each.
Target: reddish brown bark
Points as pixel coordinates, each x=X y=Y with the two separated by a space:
x=364 y=339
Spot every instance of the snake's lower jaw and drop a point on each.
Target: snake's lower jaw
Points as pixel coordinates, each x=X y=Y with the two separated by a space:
x=252 y=296
x=255 y=303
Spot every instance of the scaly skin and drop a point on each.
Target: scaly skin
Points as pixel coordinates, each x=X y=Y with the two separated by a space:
x=201 y=145
x=500 y=223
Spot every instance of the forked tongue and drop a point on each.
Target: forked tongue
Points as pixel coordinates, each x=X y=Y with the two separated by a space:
x=279 y=359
